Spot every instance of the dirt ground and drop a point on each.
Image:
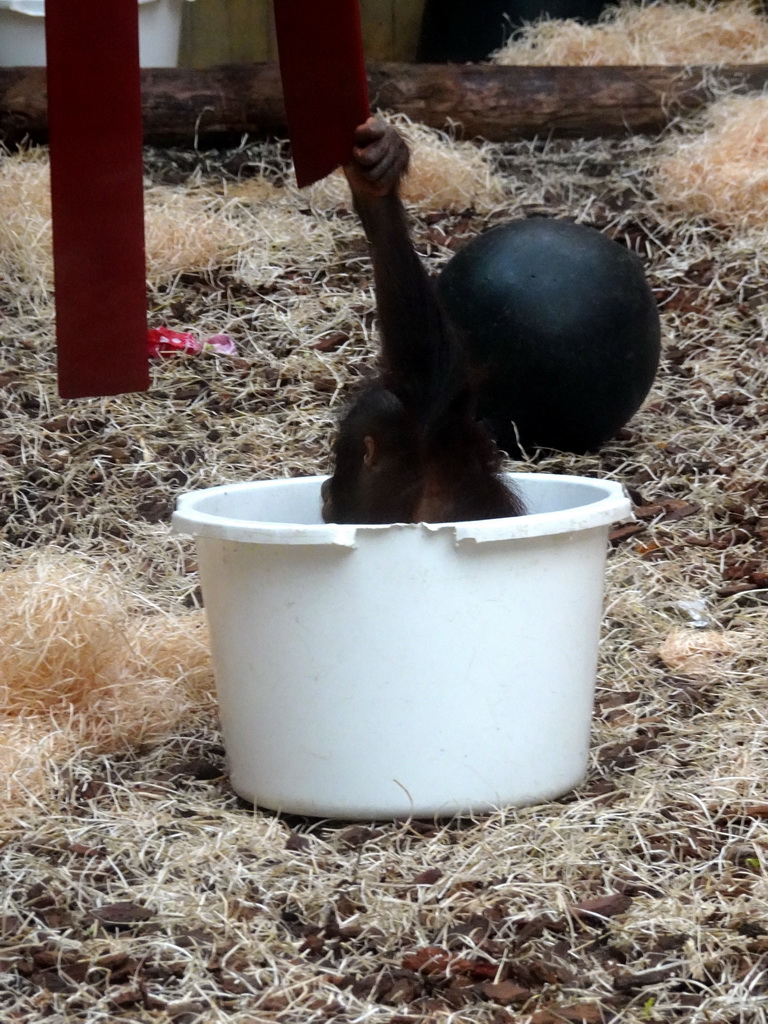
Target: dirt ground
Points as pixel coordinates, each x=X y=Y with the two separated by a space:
x=137 y=887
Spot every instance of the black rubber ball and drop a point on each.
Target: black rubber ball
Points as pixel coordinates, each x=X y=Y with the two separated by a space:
x=562 y=330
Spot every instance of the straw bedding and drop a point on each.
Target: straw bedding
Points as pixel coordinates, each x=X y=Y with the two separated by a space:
x=719 y=171
x=136 y=887
x=658 y=32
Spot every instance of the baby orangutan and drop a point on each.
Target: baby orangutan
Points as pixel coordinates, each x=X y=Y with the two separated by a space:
x=410 y=449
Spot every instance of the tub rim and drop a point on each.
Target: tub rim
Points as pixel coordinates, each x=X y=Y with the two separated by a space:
x=613 y=507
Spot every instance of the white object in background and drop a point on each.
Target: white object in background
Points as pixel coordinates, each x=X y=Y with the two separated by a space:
x=22 y=33
x=387 y=671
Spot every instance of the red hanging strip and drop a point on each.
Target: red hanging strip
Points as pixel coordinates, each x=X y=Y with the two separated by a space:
x=325 y=89
x=94 y=117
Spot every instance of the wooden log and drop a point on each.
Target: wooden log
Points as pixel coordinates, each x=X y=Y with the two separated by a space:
x=505 y=103
x=497 y=103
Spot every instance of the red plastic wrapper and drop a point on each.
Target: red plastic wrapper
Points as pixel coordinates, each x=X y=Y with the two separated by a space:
x=162 y=341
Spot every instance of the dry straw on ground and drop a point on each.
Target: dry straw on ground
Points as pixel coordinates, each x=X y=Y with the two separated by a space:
x=81 y=670
x=732 y=32
x=247 y=227
x=25 y=221
x=137 y=888
x=697 y=652
x=187 y=230
x=444 y=174
x=720 y=171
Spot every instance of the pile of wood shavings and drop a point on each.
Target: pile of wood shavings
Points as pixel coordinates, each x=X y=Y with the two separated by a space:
x=81 y=670
x=138 y=888
x=444 y=174
x=720 y=170
x=732 y=32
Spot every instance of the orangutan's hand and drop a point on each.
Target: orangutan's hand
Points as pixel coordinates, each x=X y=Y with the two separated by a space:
x=380 y=159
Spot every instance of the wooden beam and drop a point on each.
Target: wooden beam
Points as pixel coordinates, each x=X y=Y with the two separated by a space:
x=497 y=103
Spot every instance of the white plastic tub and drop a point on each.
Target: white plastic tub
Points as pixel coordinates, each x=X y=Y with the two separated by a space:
x=386 y=671
x=22 y=33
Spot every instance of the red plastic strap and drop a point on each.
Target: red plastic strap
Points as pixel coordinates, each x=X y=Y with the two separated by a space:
x=94 y=116
x=325 y=89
